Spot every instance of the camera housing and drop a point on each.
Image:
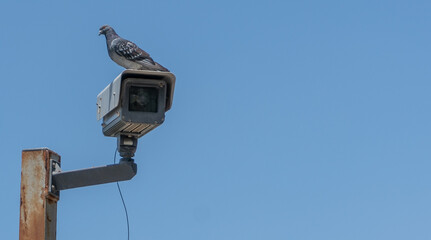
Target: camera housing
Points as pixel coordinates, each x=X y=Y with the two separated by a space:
x=134 y=104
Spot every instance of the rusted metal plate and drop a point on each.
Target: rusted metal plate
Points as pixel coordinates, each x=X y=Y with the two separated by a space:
x=38 y=208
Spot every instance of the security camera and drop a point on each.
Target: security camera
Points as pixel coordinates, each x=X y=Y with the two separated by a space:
x=134 y=104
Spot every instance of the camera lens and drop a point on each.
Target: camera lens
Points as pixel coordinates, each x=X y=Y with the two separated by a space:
x=143 y=99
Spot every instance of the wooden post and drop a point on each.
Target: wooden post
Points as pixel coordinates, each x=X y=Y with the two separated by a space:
x=38 y=209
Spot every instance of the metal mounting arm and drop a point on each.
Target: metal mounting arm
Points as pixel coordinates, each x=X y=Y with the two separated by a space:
x=125 y=170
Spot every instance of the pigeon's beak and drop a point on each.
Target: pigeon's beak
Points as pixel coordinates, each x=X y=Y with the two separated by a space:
x=100 y=32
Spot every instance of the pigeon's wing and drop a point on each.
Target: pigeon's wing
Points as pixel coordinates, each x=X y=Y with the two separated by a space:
x=132 y=52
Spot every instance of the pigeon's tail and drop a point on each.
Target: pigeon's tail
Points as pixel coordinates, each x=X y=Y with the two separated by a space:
x=155 y=67
x=162 y=69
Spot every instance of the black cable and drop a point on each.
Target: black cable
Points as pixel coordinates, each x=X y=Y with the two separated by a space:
x=122 y=199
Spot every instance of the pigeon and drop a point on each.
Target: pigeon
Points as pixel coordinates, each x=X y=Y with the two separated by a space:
x=126 y=54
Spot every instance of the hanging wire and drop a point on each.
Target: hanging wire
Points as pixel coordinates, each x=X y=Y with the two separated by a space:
x=122 y=199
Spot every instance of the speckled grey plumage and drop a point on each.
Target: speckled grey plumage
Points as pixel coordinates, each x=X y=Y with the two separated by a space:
x=126 y=54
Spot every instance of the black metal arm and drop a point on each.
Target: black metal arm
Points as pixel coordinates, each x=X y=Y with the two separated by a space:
x=125 y=170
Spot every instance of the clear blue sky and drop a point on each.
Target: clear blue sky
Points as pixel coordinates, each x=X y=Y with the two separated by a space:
x=295 y=120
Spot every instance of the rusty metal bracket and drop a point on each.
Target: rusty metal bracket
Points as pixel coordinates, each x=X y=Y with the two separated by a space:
x=125 y=170
x=54 y=169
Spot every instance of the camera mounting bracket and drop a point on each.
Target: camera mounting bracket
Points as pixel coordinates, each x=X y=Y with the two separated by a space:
x=125 y=170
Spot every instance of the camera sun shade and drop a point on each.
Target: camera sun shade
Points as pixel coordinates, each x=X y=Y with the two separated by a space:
x=135 y=102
